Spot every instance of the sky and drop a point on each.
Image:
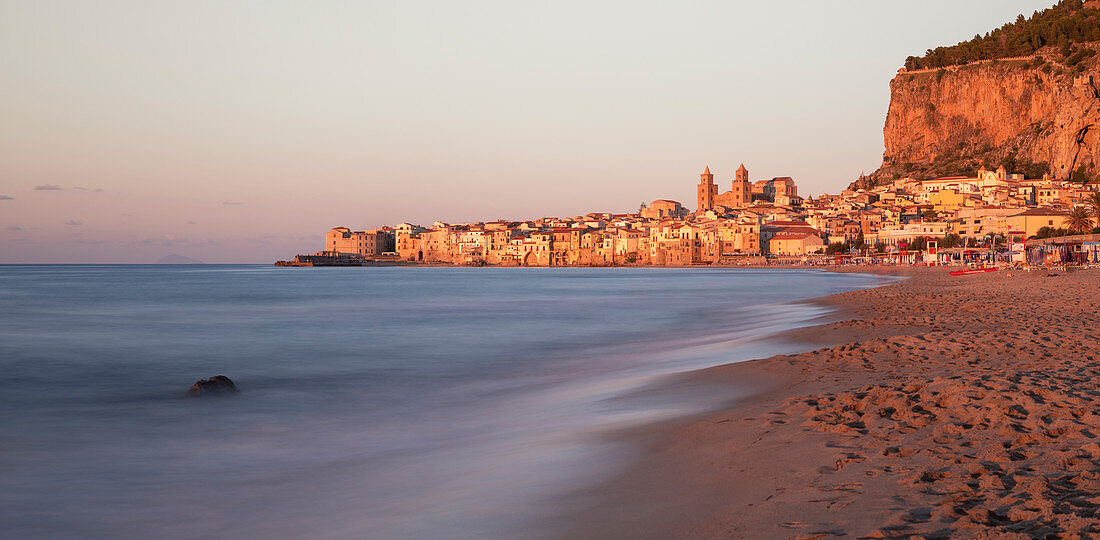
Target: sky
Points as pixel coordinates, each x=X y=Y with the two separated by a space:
x=242 y=131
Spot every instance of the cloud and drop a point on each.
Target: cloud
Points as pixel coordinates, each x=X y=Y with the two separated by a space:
x=13 y=228
x=6 y=198
x=94 y=190
x=189 y=222
x=47 y=187
x=231 y=203
x=73 y=223
x=167 y=241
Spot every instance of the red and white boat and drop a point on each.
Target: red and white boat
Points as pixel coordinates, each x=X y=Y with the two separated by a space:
x=968 y=271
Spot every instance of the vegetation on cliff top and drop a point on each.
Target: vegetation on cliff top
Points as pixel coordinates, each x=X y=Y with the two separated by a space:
x=1067 y=23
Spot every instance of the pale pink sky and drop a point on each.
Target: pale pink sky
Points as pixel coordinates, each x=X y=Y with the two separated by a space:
x=241 y=131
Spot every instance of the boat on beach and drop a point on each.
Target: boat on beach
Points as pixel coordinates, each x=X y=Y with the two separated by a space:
x=969 y=271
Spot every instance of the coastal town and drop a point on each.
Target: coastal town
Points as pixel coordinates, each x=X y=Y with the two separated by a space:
x=753 y=222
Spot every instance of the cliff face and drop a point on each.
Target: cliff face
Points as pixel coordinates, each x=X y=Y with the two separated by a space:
x=1029 y=113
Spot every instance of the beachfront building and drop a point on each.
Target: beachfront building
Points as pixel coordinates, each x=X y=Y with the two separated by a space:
x=770 y=230
x=795 y=244
x=739 y=237
x=977 y=223
x=1029 y=222
x=344 y=241
x=895 y=235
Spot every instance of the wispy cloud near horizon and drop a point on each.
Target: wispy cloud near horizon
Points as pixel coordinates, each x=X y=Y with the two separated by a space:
x=6 y=198
x=93 y=190
x=13 y=228
x=170 y=240
x=73 y=223
x=48 y=187
x=232 y=203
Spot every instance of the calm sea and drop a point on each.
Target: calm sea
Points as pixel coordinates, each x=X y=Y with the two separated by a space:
x=374 y=403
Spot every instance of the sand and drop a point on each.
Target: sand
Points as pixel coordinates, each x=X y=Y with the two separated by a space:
x=962 y=407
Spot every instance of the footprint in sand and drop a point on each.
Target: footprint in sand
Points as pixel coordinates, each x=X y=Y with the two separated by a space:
x=793 y=525
x=846 y=459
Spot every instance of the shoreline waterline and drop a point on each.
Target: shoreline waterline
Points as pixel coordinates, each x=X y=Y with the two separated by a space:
x=954 y=407
x=726 y=391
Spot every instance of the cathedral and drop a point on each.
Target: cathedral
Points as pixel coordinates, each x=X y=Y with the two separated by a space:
x=742 y=193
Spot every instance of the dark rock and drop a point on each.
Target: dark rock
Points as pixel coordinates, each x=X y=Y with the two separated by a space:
x=219 y=384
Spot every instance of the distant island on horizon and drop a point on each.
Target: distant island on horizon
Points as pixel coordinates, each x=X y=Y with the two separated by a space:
x=177 y=259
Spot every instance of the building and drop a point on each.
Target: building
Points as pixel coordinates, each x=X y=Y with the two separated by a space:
x=344 y=241
x=739 y=195
x=739 y=237
x=978 y=223
x=664 y=209
x=1030 y=221
x=894 y=235
x=795 y=244
x=776 y=187
x=772 y=229
x=706 y=192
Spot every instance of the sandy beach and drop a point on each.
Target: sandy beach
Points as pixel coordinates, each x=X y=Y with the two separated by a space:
x=960 y=407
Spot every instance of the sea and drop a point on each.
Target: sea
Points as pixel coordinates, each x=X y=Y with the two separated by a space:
x=398 y=402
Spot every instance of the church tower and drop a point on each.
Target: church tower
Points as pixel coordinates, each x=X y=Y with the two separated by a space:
x=742 y=189
x=707 y=191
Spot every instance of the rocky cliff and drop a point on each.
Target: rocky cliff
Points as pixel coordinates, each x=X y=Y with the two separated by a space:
x=1032 y=115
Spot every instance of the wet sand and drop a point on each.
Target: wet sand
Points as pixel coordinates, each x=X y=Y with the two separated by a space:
x=961 y=407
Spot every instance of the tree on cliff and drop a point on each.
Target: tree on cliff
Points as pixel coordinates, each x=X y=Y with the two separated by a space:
x=1080 y=175
x=1066 y=23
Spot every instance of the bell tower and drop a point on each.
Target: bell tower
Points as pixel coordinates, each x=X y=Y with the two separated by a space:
x=742 y=189
x=706 y=191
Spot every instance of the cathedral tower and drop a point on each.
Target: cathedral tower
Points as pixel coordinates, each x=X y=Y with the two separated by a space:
x=742 y=174
x=707 y=191
x=741 y=193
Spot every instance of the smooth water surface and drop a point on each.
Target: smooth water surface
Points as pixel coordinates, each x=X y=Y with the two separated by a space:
x=374 y=403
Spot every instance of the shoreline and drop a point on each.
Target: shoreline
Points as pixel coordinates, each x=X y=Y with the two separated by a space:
x=928 y=420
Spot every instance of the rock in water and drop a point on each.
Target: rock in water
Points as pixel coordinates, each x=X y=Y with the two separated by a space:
x=219 y=384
